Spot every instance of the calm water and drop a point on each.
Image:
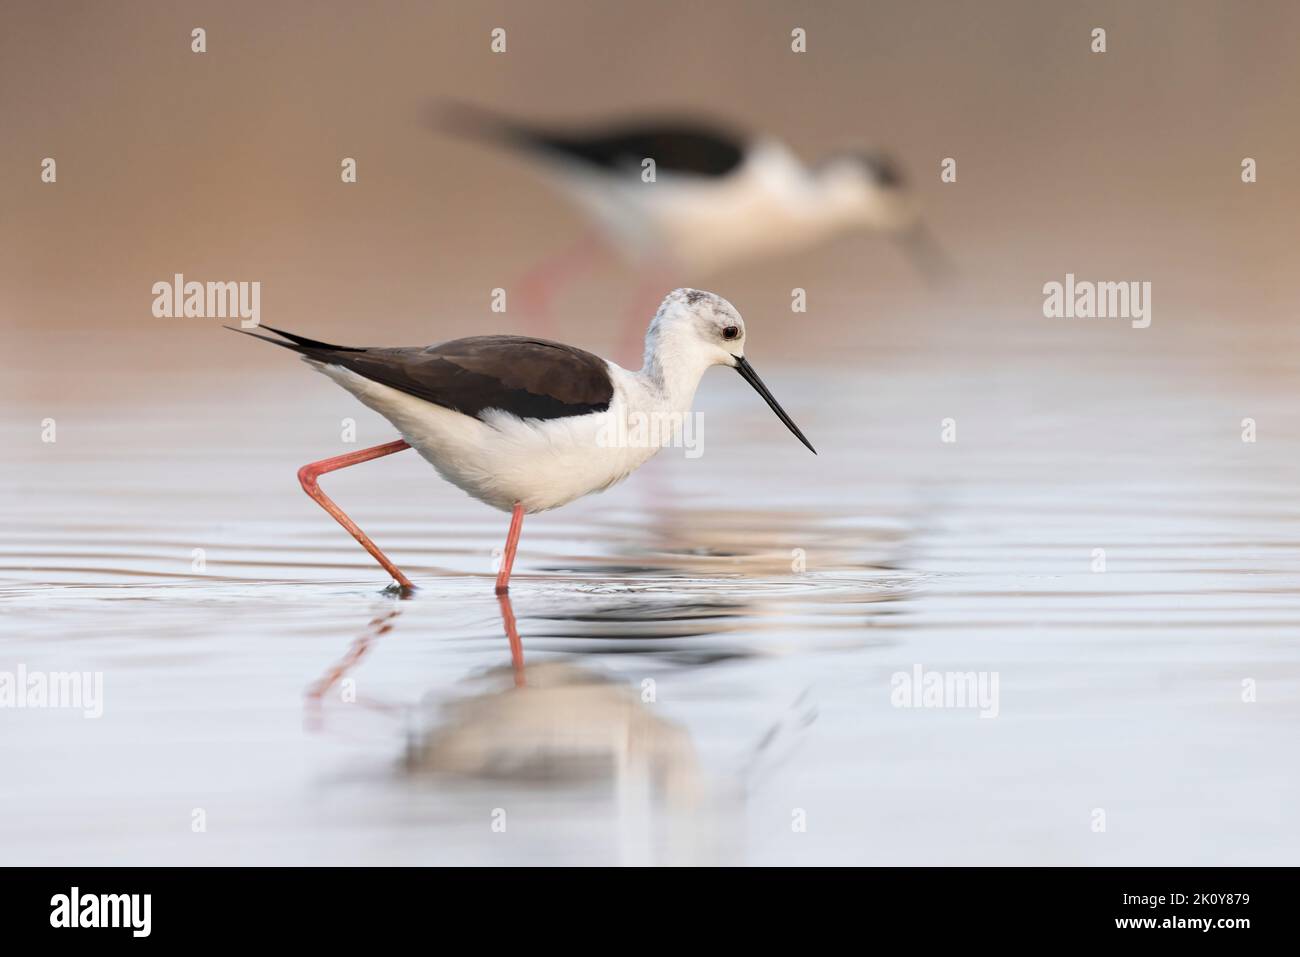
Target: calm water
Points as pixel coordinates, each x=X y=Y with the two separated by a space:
x=705 y=652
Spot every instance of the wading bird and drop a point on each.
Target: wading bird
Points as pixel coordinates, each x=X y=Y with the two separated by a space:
x=524 y=424
x=679 y=196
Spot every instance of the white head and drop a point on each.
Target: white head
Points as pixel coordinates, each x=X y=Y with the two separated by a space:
x=860 y=190
x=693 y=331
x=866 y=189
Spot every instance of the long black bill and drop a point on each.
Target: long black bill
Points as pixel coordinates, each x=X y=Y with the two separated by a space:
x=749 y=375
x=925 y=252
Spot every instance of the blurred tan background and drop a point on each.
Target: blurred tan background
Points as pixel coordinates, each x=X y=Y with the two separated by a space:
x=225 y=166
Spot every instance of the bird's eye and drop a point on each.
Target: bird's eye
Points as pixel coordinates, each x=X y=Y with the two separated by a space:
x=731 y=332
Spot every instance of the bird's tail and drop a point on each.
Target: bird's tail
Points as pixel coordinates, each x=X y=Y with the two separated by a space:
x=301 y=344
x=476 y=122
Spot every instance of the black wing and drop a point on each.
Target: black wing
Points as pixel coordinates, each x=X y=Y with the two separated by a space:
x=685 y=147
x=529 y=378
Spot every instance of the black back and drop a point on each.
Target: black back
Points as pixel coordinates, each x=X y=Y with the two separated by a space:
x=678 y=146
x=690 y=150
x=529 y=378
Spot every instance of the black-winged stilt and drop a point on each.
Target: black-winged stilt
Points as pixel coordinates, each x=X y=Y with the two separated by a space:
x=524 y=424
x=716 y=198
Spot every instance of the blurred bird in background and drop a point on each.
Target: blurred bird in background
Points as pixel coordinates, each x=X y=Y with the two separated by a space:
x=680 y=198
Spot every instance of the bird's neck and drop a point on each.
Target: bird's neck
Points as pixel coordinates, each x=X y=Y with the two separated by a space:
x=671 y=376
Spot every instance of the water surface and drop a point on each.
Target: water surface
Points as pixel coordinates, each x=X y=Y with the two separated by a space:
x=704 y=654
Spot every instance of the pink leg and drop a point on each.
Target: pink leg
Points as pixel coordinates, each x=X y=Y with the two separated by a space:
x=512 y=635
x=538 y=286
x=377 y=628
x=308 y=475
x=512 y=543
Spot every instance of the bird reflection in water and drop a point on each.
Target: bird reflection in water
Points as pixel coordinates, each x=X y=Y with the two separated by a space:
x=559 y=727
x=378 y=626
x=562 y=727
x=552 y=721
x=556 y=721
